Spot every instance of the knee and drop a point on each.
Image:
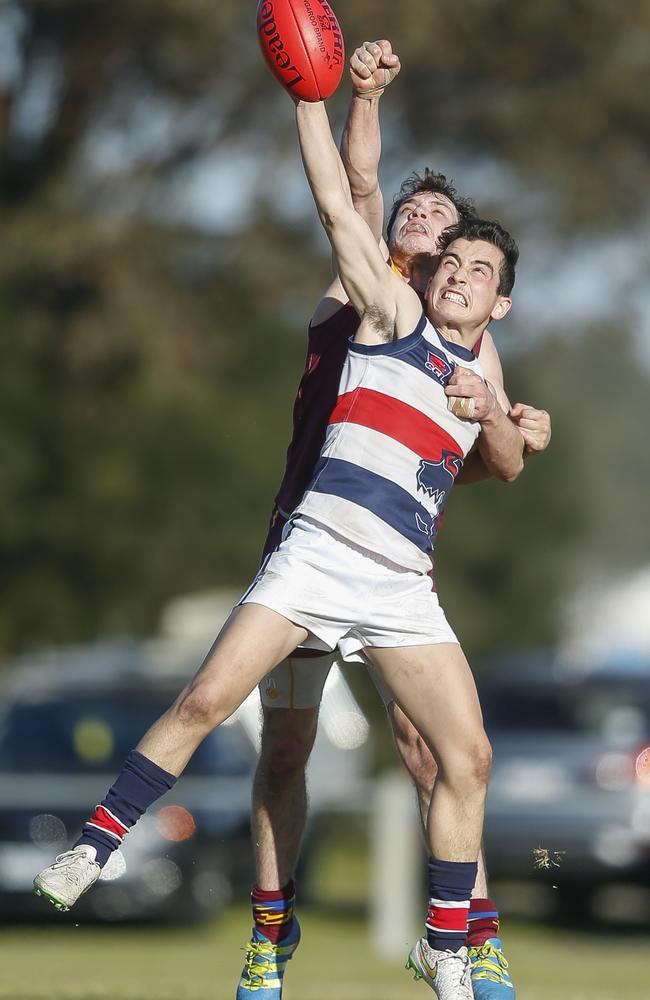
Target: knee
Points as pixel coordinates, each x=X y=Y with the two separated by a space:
x=482 y=756
x=287 y=741
x=475 y=764
x=199 y=708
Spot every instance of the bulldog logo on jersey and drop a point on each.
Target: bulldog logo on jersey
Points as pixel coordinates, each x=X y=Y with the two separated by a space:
x=438 y=365
x=436 y=479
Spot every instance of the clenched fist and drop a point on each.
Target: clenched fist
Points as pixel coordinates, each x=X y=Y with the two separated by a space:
x=372 y=67
x=534 y=426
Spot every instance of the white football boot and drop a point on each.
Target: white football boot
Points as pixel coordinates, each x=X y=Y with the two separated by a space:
x=69 y=877
x=448 y=973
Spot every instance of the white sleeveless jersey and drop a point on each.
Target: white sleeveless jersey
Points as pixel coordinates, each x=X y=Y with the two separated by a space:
x=392 y=449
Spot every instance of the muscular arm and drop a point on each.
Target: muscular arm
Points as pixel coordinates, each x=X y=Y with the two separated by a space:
x=361 y=151
x=533 y=425
x=500 y=445
x=499 y=451
x=359 y=260
x=372 y=66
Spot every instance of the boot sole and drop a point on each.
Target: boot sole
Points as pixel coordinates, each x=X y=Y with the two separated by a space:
x=56 y=903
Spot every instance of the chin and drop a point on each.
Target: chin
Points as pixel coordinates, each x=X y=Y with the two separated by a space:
x=415 y=244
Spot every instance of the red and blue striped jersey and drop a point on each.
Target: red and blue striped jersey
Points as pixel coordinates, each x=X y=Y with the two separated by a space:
x=392 y=448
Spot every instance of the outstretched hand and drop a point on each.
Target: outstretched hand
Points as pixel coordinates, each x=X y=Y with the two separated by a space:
x=372 y=67
x=534 y=426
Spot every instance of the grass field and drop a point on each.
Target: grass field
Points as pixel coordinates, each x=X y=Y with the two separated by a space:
x=334 y=961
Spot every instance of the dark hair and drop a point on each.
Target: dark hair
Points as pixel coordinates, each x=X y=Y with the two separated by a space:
x=418 y=183
x=489 y=232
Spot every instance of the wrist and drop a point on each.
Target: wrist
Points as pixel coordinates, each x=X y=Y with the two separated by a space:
x=368 y=95
x=492 y=416
x=494 y=411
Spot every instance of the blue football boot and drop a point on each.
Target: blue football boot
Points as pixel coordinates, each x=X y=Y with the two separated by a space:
x=490 y=977
x=265 y=963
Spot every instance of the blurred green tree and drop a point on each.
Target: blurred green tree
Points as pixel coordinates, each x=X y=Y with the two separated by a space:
x=151 y=340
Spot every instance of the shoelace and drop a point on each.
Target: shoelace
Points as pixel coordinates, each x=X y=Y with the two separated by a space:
x=66 y=862
x=490 y=962
x=62 y=859
x=259 y=956
x=453 y=966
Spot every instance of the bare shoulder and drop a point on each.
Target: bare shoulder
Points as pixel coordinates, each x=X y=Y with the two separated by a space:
x=332 y=301
x=490 y=360
x=409 y=307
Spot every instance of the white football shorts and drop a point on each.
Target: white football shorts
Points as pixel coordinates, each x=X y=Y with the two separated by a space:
x=346 y=597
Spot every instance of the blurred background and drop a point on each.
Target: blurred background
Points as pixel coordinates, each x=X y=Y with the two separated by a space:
x=160 y=259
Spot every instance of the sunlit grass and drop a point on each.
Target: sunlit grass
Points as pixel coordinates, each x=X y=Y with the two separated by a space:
x=334 y=960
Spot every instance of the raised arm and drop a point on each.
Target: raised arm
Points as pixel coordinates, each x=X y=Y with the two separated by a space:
x=372 y=67
x=387 y=306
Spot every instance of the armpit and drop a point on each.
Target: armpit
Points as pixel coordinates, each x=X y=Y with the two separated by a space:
x=380 y=322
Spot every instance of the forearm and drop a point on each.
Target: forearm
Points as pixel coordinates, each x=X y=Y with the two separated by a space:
x=323 y=167
x=359 y=261
x=474 y=470
x=361 y=152
x=500 y=446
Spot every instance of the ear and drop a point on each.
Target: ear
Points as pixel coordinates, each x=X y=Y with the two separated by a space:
x=502 y=307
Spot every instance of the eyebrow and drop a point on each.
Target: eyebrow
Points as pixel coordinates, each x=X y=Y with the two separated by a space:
x=485 y=263
x=439 y=200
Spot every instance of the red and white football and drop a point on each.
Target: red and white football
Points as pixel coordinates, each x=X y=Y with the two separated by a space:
x=303 y=45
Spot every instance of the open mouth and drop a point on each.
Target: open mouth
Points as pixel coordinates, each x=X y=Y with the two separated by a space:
x=415 y=227
x=454 y=297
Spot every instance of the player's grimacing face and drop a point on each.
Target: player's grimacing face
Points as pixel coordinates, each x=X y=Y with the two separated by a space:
x=420 y=221
x=464 y=290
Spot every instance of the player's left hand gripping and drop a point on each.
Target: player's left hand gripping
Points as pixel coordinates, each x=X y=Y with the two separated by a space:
x=372 y=67
x=534 y=426
x=469 y=396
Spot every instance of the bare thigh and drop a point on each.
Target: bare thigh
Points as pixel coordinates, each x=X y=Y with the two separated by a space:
x=252 y=642
x=435 y=687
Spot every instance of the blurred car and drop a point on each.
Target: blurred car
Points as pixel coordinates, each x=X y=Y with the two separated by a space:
x=70 y=718
x=569 y=795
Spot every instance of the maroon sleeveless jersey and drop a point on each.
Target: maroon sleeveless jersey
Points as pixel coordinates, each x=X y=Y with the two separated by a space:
x=327 y=348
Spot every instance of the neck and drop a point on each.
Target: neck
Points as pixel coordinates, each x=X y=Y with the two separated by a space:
x=466 y=337
x=397 y=269
x=401 y=261
x=416 y=268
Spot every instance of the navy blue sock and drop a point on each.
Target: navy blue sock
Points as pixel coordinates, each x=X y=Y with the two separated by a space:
x=450 y=888
x=139 y=784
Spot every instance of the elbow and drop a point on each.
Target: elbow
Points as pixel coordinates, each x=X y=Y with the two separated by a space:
x=511 y=473
x=363 y=189
x=331 y=215
x=326 y=220
x=329 y=221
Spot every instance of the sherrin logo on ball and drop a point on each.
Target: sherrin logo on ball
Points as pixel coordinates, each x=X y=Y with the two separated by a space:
x=303 y=45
